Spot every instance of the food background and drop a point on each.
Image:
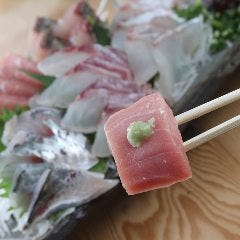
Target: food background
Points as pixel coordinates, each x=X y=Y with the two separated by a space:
x=205 y=207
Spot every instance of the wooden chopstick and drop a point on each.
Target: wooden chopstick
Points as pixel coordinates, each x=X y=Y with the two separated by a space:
x=204 y=109
x=208 y=107
x=212 y=133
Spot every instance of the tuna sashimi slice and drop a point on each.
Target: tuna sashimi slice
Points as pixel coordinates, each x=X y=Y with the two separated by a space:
x=160 y=160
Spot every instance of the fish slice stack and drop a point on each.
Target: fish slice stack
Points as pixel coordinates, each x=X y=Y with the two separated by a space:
x=51 y=162
x=56 y=158
x=16 y=88
x=96 y=82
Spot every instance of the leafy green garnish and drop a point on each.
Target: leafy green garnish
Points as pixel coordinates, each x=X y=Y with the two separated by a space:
x=56 y=215
x=5 y=116
x=6 y=185
x=225 y=25
x=191 y=12
x=100 y=167
x=11 y=208
x=45 y=79
x=101 y=32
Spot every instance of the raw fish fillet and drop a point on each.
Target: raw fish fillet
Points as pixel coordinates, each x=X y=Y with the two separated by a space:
x=73 y=29
x=16 y=87
x=96 y=55
x=179 y=50
x=77 y=69
x=161 y=160
x=169 y=46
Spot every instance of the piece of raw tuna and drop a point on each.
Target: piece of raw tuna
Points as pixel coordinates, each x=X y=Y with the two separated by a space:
x=160 y=160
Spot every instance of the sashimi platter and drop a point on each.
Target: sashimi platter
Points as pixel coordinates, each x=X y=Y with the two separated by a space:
x=98 y=101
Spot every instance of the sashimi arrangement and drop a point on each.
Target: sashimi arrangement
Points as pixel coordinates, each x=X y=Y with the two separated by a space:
x=55 y=157
x=183 y=43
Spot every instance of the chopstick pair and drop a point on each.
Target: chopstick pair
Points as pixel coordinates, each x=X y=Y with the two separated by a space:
x=204 y=109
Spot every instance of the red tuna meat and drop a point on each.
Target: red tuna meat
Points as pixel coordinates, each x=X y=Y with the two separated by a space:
x=161 y=160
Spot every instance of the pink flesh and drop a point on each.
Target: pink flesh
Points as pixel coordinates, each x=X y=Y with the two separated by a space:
x=73 y=29
x=118 y=93
x=11 y=67
x=70 y=20
x=10 y=101
x=37 y=50
x=105 y=60
x=161 y=160
x=15 y=86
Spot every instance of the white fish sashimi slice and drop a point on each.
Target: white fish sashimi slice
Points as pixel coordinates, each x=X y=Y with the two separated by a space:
x=84 y=115
x=113 y=55
x=119 y=39
x=30 y=122
x=86 y=187
x=109 y=68
x=65 y=89
x=133 y=8
x=117 y=101
x=100 y=146
x=161 y=16
x=113 y=84
x=142 y=62
x=62 y=61
x=147 y=28
x=178 y=55
x=138 y=33
x=64 y=149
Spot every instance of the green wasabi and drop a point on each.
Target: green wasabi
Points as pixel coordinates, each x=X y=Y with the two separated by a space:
x=139 y=131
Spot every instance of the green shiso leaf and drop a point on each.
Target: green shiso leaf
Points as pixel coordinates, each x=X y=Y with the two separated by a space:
x=191 y=12
x=100 y=167
x=101 y=32
x=11 y=208
x=6 y=185
x=56 y=215
x=45 y=79
x=5 y=116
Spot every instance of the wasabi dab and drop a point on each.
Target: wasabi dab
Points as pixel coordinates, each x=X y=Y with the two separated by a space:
x=139 y=131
